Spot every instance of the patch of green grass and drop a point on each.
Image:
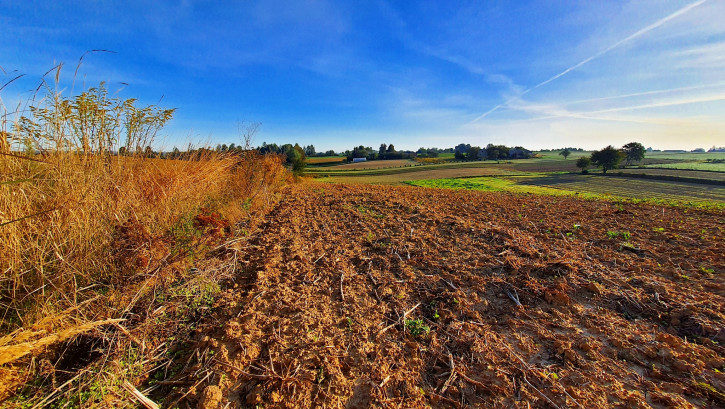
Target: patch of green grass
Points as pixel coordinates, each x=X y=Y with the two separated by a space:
x=417 y=328
x=713 y=166
x=616 y=234
x=587 y=187
x=493 y=184
x=707 y=270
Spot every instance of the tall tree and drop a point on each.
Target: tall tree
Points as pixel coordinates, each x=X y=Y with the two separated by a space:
x=298 y=160
x=473 y=152
x=634 y=152
x=607 y=158
x=565 y=153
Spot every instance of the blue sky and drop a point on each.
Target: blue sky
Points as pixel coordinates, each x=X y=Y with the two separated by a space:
x=338 y=73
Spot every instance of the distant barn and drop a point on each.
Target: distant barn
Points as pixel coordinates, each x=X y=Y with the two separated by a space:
x=356 y=160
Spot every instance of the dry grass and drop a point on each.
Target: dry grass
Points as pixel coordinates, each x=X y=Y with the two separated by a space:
x=64 y=219
x=90 y=241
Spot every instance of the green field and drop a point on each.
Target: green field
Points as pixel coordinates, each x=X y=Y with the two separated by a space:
x=706 y=166
x=673 y=172
x=590 y=186
x=551 y=174
x=686 y=156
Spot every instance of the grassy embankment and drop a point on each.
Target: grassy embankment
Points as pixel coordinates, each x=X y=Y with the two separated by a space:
x=103 y=256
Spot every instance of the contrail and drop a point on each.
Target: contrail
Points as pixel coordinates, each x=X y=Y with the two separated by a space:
x=639 y=94
x=594 y=114
x=599 y=54
x=710 y=98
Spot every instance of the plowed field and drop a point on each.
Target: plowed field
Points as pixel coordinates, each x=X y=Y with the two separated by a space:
x=369 y=296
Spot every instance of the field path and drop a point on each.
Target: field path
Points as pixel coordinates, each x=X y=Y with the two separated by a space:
x=373 y=296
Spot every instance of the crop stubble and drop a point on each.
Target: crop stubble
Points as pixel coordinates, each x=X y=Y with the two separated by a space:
x=322 y=311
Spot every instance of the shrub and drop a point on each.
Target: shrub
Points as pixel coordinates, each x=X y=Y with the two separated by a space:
x=583 y=163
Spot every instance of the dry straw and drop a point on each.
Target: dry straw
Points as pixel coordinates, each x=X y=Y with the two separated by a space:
x=87 y=208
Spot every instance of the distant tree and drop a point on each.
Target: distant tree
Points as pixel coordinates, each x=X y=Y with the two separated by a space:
x=497 y=152
x=310 y=150
x=519 y=152
x=148 y=152
x=463 y=147
x=122 y=151
x=460 y=151
x=298 y=159
x=391 y=148
x=634 y=152
x=288 y=150
x=565 y=153
x=473 y=152
x=383 y=149
x=359 y=152
x=583 y=163
x=607 y=158
x=330 y=153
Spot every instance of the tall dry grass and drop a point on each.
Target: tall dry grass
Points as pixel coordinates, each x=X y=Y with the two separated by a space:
x=79 y=223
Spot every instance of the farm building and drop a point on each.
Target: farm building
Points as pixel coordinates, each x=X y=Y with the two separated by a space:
x=356 y=160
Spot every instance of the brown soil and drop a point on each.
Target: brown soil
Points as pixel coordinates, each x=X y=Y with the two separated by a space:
x=376 y=164
x=369 y=296
x=399 y=178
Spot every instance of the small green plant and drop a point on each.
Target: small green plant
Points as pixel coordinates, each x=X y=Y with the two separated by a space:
x=615 y=234
x=707 y=270
x=320 y=376
x=417 y=328
x=348 y=320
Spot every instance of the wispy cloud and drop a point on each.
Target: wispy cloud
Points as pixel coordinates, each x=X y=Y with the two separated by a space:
x=617 y=44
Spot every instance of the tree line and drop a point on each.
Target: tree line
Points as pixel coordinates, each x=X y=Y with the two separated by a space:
x=609 y=157
x=490 y=152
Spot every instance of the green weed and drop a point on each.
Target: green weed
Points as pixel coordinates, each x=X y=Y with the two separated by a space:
x=417 y=328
